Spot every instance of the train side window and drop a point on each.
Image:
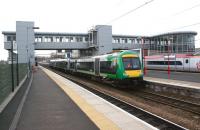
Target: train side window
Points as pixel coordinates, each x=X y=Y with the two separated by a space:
x=186 y=61
x=107 y=67
x=164 y=62
x=179 y=63
x=87 y=66
x=114 y=66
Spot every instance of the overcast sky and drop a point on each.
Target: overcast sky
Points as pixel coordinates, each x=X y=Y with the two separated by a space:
x=78 y=16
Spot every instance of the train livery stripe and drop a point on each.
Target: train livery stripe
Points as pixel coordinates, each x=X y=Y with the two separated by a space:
x=98 y=118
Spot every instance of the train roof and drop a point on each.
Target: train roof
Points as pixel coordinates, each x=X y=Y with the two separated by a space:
x=91 y=58
x=57 y=60
x=171 y=55
x=121 y=52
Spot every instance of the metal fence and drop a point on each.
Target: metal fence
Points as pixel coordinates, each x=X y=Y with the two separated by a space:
x=12 y=74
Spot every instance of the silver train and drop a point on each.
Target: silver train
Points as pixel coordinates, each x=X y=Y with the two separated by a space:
x=178 y=62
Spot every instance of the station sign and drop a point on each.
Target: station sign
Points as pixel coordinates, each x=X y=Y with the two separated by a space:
x=14 y=47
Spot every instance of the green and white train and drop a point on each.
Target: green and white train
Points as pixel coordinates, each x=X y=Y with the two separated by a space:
x=120 y=66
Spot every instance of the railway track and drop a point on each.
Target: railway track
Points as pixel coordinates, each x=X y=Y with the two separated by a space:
x=146 y=116
x=171 y=101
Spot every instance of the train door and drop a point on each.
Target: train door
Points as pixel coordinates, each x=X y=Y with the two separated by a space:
x=97 y=66
x=68 y=64
x=75 y=65
x=186 y=64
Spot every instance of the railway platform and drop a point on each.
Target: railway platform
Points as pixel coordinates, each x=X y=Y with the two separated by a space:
x=184 y=84
x=53 y=102
x=175 y=86
x=183 y=79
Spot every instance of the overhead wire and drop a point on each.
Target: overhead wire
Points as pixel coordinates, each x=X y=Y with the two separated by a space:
x=132 y=10
x=123 y=15
x=185 y=10
x=148 y=2
x=185 y=26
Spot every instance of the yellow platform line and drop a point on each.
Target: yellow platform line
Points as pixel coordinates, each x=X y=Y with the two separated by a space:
x=98 y=118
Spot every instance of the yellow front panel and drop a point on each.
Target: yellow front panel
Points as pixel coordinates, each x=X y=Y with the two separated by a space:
x=133 y=73
x=129 y=55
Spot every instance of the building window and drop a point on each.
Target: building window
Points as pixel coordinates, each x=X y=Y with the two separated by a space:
x=86 y=39
x=14 y=38
x=61 y=39
x=66 y=39
x=116 y=40
x=57 y=39
x=38 y=39
x=8 y=38
x=130 y=40
x=70 y=39
x=48 y=39
x=79 y=39
x=123 y=40
x=51 y=39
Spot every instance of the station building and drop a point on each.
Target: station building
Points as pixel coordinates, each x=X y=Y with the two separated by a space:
x=98 y=40
x=174 y=42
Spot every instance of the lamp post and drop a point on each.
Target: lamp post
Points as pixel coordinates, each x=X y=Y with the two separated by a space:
x=16 y=59
x=17 y=69
x=143 y=56
x=170 y=50
x=12 y=67
x=168 y=44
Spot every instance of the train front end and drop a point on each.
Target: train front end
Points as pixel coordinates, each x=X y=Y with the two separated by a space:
x=131 y=66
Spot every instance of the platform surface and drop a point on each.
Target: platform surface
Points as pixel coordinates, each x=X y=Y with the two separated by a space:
x=185 y=84
x=182 y=79
x=47 y=107
x=104 y=114
x=175 y=75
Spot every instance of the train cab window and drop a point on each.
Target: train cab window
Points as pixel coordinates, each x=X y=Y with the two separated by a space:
x=186 y=61
x=132 y=63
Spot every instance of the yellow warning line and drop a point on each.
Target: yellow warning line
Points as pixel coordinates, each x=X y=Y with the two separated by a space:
x=98 y=118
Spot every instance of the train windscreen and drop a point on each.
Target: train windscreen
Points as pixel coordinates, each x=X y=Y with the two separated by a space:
x=131 y=63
